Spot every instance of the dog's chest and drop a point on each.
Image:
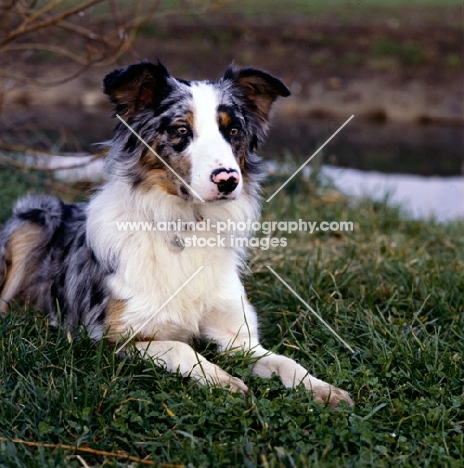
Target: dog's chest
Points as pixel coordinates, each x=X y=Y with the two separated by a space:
x=170 y=287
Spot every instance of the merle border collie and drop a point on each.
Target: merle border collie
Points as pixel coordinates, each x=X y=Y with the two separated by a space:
x=182 y=151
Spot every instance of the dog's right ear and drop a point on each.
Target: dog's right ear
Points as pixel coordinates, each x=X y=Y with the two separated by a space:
x=135 y=87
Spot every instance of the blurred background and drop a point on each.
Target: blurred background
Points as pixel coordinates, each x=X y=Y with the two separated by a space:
x=397 y=66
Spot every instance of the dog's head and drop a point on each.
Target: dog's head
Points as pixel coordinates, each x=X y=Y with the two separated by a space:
x=199 y=137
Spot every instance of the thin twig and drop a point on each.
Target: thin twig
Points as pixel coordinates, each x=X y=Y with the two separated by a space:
x=49 y=6
x=92 y=451
x=122 y=29
x=46 y=84
x=50 y=48
x=83 y=32
x=83 y=462
x=22 y=29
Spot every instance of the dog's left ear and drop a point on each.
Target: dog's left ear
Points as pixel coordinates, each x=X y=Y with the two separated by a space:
x=135 y=87
x=260 y=89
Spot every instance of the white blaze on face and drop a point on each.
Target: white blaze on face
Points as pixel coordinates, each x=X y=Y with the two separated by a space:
x=209 y=150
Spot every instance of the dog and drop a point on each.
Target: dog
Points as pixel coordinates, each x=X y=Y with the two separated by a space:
x=183 y=152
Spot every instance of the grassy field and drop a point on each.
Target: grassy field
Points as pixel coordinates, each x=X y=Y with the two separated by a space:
x=392 y=288
x=269 y=10
x=343 y=9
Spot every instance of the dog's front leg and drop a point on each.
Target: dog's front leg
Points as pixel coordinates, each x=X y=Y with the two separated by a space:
x=293 y=374
x=235 y=329
x=176 y=356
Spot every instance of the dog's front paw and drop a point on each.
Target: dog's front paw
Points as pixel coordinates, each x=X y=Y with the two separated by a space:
x=234 y=384
x=211 y=374
x=332 y=396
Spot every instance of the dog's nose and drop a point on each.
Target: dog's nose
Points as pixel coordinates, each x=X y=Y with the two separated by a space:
x=226 y=179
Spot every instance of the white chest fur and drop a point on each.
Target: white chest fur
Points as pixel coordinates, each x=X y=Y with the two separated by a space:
x=151 y=275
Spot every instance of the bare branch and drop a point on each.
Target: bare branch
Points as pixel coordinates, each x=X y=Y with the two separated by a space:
x=23 y=29
x=82 y=31
x=29 y=28
x=45 y=9
x=50 y=48
x=86 y=449
x=47 y=84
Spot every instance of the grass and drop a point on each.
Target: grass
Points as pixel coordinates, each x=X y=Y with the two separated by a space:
x=344 y=11
x=392 y=288
x=341 y=10
x=409 y=54
x=12 y=185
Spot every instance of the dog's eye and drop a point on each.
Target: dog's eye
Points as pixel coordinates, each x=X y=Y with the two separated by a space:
x=234 y=131
x=182 y=130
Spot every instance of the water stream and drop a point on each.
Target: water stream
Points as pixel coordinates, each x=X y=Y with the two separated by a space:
x=418 y=166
